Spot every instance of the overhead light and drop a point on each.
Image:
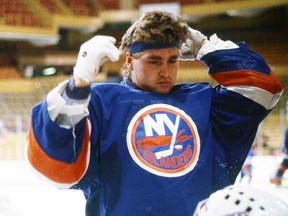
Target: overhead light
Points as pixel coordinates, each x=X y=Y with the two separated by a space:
x=49 y=71
x=31 y=71
x=246 y=13
x=173 y=7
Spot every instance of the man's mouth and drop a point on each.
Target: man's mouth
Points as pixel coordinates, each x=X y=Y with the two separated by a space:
x=164 y=83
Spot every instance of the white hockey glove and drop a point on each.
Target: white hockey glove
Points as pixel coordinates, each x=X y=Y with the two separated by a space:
x=190 y=48
x=214 y=43
x=93 y=53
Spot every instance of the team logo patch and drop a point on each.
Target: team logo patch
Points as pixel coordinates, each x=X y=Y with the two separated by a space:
x=163 y=140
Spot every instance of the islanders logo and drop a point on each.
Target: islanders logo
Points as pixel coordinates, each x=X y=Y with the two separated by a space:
x=163 y=140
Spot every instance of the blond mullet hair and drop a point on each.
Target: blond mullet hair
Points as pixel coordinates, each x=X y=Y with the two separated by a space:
x=153 y=27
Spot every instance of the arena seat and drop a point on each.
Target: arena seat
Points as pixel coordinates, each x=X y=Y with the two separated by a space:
x=14 y=13
x=81 y=7
x=51 y=6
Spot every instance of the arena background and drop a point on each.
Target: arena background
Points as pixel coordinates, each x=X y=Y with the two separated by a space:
x=39 y=42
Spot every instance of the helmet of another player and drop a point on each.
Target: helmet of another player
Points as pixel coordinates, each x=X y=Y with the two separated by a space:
x=241 y=201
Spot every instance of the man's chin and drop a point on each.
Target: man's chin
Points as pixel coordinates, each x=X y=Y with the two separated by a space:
x=163 y=90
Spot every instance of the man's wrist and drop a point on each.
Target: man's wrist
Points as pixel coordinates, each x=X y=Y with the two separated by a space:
x=78 y=82
x=77 y=92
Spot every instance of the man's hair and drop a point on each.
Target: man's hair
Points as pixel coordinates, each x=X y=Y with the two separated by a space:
x=154 y=27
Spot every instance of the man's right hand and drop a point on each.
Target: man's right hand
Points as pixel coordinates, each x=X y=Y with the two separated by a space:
x=190 y=48
x=93 y=53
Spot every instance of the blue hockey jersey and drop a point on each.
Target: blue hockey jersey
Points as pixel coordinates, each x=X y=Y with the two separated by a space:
x=285 y=147
x=144 y=154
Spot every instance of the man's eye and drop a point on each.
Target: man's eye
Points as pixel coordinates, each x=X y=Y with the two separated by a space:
x=153 y=62
x=172 y=61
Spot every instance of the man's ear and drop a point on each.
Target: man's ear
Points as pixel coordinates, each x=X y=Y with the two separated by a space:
x=129 y=61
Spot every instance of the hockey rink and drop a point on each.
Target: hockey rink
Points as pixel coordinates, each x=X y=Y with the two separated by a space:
x=24 y=194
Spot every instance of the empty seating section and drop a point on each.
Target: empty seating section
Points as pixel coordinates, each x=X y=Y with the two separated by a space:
x=109 y=4
x=7 y=68
x=51 y=6
x=14 y=105
x=14 y=121
x=81 y=7
x=14 y=13
x=9 y=72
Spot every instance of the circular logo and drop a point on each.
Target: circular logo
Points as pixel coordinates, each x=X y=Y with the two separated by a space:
x=163 y=140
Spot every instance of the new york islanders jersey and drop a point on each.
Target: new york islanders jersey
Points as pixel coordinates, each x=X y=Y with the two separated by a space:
x=144 y=154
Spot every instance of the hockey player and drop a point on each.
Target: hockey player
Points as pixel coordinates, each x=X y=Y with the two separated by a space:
x=278 y=175
x=148 y=146
x=247 y=168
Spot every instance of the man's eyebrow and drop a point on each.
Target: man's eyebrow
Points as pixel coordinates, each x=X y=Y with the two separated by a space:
x=174 y=57
x=157 y=57
x=154 y=57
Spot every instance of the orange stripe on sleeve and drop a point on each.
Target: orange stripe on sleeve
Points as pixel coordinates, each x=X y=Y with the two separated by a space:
x=57 y=171
x=269 y=83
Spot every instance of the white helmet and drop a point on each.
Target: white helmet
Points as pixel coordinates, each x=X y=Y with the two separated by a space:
x=241 y=200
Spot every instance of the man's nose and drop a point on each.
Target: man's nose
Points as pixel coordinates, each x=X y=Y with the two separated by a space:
x=164 y=71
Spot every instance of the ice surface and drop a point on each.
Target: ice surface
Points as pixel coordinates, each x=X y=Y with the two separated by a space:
x=23 y=194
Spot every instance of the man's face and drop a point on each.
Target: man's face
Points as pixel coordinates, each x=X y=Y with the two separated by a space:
x=155 y=70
